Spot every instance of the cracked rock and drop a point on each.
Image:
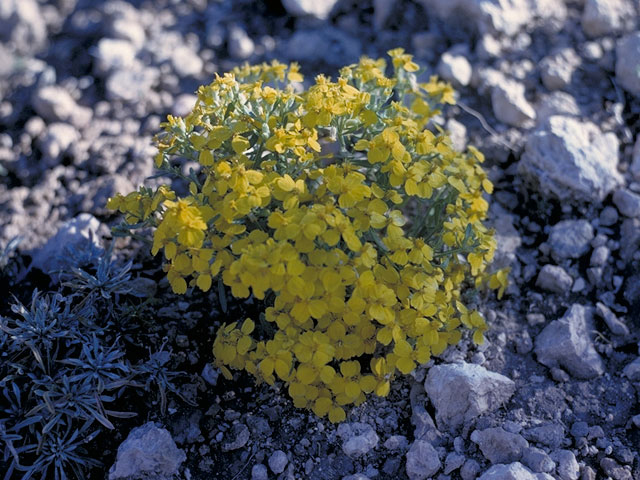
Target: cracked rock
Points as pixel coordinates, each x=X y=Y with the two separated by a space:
x=462 y=392
x=148 y=452
x=422 y=461
x=616 y=326
x=572 y=160
x=538 y=460
x=498 y=445
x=568 y=468
x=567 y=343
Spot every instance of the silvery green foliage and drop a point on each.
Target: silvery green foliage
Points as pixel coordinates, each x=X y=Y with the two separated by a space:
x=62 y=366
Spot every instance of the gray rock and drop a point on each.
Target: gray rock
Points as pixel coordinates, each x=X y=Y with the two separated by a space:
x=382 y=9
x=457 y=134
x=241 y=46
x=599 y=256
x=538 y=460
x=616 y=325
x=568 y=468
x=455 y=68
x=634 y=168
x=462 y=392
x=513 y=471
x=556 y=103
x=236 y=437
x=315 y=8
x=629 y=238
x=608 y=216
x=572 y=160
x=129 y=29
x=57 y=139
x=567 y=343
x=358 y=438
x=183 y=104
x=614 y=470
x=98 y=191
x=112 y=54
x=510 y=105
x=259 y=472
x=425 y=427
x=470 y=470
x=604 y=17
x=210 y=374
x=148 y=452
x=278 y=461
x=22 y=25
x=627 y=202
x=338 y=48
x=422 y=461
x=628 y=63
x=588 y=473
x=356 y=476
x=82 y=229
x=485 y=16
x=507 y=237
x=131 y=85
x=54 y=104
x=557 y=70
x=186 y=62
x=579 y=429
x=498 y=445
x=570 y=239
x=632 y=370
x=554 y=279
x=550 y=435
x=396 y=442
x=453 y=462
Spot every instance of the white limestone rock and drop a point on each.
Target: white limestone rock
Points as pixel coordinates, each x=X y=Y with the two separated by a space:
x=462 y=392
x=572 y=160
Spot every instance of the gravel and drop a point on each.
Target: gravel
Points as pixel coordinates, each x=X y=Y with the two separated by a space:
x=83 y=89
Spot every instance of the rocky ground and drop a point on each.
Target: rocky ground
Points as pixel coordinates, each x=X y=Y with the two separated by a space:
x=548 y=90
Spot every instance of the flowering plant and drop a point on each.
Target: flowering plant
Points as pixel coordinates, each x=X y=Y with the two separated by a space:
x=357 y=225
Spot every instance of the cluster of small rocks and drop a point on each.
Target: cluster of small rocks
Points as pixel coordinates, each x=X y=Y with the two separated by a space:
x=548 y=89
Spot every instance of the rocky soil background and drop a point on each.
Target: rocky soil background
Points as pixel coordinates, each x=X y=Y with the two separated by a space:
x=549 y=90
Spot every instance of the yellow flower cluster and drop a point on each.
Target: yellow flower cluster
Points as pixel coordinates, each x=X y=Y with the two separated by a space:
x=356 y=225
